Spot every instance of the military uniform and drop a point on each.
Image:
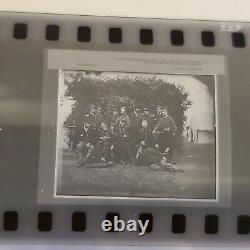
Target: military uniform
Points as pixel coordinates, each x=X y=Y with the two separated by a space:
x=84 y=134
x=153 y=158
x=94 y=130
x=122 y=126
x=164 y=133
x=103 y=145
x=123 y=119
x=145 y=141
x=135 y=123
x=113 y=119
x=145 y=135
x=123 y=143
x=85 y=149
x=156 y=118
x=149 y=118
x=113 y=147
x=149 y=156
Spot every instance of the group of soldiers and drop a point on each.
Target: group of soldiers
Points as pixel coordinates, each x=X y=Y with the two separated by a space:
x=139 y=137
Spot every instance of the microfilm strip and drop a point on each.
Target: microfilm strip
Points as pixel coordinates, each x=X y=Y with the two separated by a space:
x=123 y=130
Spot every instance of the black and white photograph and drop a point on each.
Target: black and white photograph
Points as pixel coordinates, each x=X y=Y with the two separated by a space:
x=139 y=135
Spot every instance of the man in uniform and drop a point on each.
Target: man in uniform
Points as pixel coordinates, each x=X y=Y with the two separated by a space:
x=148 y=117
x=95 y=121
x=123 y=142
x=135 y=124
x=85 y=150
x=103 y=151
x=113 y=142
x=157 y=115
x=123 y=117
x=155 y=159
x=113 y=117
x=145 y=139
x=164 y=133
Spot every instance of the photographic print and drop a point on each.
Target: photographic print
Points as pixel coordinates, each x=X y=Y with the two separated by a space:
x=136 y=135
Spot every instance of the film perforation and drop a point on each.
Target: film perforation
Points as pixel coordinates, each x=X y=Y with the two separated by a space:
x=115 y=34
x=20 y=31
x=52 y=32
x=45 y=221
x=211 y=224
x=146 y=36
x=10 y=221
x=84 y=34
x=178 y=223
x=177 y=37
x=78 y=222
x=208 y=38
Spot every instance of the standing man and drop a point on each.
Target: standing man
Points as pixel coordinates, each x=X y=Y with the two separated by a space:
x=123 y=117
x=94 y=120
x=145 y=134
x=123 y=142
x=135 y=124
x=113 y=117
x=157 y=115
x=164 y=133
x=113 y=142
x=148 y=117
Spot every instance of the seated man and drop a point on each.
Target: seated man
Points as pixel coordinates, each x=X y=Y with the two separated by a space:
x=85 y=149
x=164 y=133
x=153 y=158
x=145 y=138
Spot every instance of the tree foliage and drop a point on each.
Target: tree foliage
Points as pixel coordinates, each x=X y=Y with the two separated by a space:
x=142 y=92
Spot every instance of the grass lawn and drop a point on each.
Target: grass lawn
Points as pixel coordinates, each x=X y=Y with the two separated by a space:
x=194 y=177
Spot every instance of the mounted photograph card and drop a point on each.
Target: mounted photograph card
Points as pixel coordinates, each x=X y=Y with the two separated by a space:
x=133 y=132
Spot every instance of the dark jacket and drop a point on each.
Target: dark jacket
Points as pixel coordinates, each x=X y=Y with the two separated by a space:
x=165 y=124
x=145 y=134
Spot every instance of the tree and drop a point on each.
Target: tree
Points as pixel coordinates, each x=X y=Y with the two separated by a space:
x=109 y=93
